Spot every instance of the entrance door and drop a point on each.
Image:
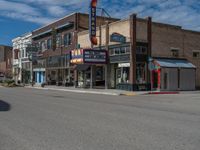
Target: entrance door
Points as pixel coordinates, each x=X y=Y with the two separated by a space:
x=156 y=76
x=155 y=79
x=118 y=76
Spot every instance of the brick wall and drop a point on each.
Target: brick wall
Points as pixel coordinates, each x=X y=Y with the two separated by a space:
x=164 y=38
x=191 y=43
x=80 y=21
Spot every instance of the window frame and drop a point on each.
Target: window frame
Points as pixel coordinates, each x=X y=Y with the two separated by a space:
x=196 y=51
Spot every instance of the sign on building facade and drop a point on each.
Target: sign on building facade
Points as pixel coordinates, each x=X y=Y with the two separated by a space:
x=116 y=37
x=92 y=22
x=88 y=56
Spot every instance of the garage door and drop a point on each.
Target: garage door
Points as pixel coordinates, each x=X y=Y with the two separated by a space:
x=187 y=79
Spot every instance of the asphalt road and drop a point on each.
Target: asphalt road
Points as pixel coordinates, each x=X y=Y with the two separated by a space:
x=51 y=120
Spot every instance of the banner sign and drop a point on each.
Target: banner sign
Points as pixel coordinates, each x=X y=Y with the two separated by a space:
x=92 y=22
x=88 y=56
x=116 y=37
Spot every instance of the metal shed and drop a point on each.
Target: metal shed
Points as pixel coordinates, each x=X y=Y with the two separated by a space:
x=174 y=74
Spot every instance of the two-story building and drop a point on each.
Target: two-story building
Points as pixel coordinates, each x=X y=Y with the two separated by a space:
x=5 y=61
x=54 y=42
x=146 y=55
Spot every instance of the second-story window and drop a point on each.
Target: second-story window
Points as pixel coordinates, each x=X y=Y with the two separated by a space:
x=141 y=50
x=175 y=52
x=22 y=53
x=119 y=50
x=196 y=54
x=58 y=41
x=43 y=45
x=67 y=39
x=49 y=43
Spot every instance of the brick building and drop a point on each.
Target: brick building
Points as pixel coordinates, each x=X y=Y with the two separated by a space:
x=6 y=61
x=54 y=42
x=145 y=54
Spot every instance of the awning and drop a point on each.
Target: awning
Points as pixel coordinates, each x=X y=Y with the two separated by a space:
x=174 y=63
x=81 y=67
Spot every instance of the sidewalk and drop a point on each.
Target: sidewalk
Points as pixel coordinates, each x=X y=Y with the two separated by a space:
x=112 y=92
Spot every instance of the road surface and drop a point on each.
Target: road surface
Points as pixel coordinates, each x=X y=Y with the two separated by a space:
x=33 y=119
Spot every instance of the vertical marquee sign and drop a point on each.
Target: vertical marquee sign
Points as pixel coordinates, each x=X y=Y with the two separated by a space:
x=92 y=22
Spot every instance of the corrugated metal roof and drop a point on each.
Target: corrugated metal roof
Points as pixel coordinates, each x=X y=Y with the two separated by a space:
x=174 y=63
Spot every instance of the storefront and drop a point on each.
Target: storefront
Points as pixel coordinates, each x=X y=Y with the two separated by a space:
x=119 y=56
x=89 y=67
x=39 y=75
x=58 y=70
x=172 y=74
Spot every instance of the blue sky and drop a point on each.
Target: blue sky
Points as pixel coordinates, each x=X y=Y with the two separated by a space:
x=20 y=16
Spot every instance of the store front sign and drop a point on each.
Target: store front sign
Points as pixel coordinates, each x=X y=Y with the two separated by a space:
x=121 y=65
x=120 y=58
x=116 y=37
x=88 y=56
x=95 y=56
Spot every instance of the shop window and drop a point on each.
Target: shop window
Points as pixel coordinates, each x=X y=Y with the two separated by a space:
x=196 y=54
x=67 y=39
x=140 y=73
x=122 y=75
x=49 y=43
x=175 y=52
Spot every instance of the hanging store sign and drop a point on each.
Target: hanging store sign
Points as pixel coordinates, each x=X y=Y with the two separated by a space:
x=88 y=56
x=92 y=22
x=116 y=37
x=76 y=56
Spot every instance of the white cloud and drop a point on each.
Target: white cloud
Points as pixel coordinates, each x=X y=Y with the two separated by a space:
x=21 y=11
x=17 y=7
x=29 y=18
x=56 y=11
x=179 y=12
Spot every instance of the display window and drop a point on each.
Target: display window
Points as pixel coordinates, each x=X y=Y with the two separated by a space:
x=141 y=73
x=122 y=75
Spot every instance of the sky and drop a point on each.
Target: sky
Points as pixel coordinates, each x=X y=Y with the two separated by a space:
x=18 y=17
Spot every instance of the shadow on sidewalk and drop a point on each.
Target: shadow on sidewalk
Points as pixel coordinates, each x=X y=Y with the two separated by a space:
x=4 y=106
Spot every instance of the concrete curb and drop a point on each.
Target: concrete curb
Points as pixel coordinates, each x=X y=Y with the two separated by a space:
x=159 y=93
x=77 y=91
